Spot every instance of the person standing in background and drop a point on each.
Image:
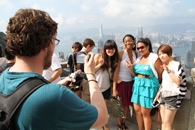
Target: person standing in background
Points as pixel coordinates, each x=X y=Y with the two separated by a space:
x=106 y=63
x=53 y=73
x=10 y=58
x=88 y=45
x=72 y=64
x=76 y=47
x=123 y=79
x=148 y=74
x=3 y=60
x=173 y=87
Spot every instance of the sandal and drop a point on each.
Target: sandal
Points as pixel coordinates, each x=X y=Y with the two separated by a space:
x=124 y=126
x=120 y=127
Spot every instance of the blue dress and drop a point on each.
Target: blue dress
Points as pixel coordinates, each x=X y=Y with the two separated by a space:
x=144 y=89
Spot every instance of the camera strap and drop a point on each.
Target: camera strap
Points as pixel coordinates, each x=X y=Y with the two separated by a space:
x=73 y=60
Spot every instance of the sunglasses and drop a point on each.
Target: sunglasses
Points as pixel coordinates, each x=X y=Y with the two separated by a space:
x=141 y=47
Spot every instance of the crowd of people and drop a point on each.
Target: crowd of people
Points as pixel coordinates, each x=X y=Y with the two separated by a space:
x=139 y=76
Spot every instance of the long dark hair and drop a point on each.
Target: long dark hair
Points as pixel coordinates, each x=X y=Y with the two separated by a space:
x=146 y=42
x=110 y=44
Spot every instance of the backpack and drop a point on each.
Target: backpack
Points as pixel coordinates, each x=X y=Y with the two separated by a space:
x=10 y=103
x=80 y=56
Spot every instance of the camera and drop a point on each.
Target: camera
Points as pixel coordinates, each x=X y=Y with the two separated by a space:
x=78 y=78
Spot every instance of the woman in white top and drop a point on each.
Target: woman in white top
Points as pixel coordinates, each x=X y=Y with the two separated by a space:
x=106 y=63
x=173 y=88
x=123 y=79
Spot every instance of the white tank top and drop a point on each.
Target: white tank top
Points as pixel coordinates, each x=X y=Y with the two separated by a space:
x=124 y=72
x=103 y=79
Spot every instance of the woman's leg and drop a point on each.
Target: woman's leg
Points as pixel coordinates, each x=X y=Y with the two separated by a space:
x=146 y=118
x=126 y=111
x=139 y=116
x=119 y=124
x=168 y=118
x=105 y=127
x=162 y=114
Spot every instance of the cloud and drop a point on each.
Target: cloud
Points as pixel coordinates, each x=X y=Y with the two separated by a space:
x=36 y=6
x=153 y=9
x=6 y=4
x=112 y=9
x=3 y=25
x=72 y=20
x=59 y=19
x=85 y=7
x=191 y=11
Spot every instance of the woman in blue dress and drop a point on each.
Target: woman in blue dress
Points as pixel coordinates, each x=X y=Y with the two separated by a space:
x=148 y=73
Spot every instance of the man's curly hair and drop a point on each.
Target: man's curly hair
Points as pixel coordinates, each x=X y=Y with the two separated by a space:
x=29 y=31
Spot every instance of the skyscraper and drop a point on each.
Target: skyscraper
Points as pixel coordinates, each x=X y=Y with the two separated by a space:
x=100 y=41
x=139 y=32
x=101 y=32
x=190 y=56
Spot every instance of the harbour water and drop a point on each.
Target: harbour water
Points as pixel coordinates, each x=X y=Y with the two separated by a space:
x=67 y=47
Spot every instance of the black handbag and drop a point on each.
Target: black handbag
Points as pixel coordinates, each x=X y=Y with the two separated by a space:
x=116 y=107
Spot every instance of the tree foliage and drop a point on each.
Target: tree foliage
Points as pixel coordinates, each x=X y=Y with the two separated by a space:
x=2 y=41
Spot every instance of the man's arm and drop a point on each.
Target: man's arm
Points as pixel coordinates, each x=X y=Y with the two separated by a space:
x=56 y=74
x=96 y=97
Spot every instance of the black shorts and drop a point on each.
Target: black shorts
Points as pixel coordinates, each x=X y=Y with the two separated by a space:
x=106 y=94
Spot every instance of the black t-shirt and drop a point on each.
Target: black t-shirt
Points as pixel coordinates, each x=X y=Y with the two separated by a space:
x=72 y=63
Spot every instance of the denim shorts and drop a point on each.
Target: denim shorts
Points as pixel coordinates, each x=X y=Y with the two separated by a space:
x=170 y=103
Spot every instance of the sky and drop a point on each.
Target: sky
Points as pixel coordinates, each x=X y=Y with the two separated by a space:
x=70 y=14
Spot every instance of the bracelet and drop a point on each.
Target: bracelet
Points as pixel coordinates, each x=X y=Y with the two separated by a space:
x=168 y=71
x=91 y=74
x=92 y=80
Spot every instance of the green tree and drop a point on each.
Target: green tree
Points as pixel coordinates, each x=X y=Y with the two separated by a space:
x=2 y=41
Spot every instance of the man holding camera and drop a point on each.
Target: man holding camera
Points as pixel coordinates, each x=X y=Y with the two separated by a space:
x=31 y=38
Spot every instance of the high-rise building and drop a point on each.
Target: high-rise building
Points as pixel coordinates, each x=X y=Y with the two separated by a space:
x=101 y=32
x=190 y=56
x=100 y=41
x=193 y=46
x=139 y=32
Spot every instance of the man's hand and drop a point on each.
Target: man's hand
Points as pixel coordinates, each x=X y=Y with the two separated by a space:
x=89 y=65
x=66 y=80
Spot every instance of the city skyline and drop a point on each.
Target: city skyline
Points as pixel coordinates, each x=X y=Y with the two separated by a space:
x=86 y=14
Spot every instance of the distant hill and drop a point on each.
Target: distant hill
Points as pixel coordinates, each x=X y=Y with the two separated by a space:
x=171 y=28
x=2 y=41
x=161 y=28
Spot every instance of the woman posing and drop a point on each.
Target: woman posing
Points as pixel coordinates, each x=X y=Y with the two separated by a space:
x=173 y=87
x=123 y=79
x=106 y=63
x=148 y=73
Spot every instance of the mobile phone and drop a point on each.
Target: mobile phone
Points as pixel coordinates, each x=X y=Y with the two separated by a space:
x=156 y=103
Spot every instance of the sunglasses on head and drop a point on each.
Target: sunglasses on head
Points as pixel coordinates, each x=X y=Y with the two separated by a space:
x=141 y=47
